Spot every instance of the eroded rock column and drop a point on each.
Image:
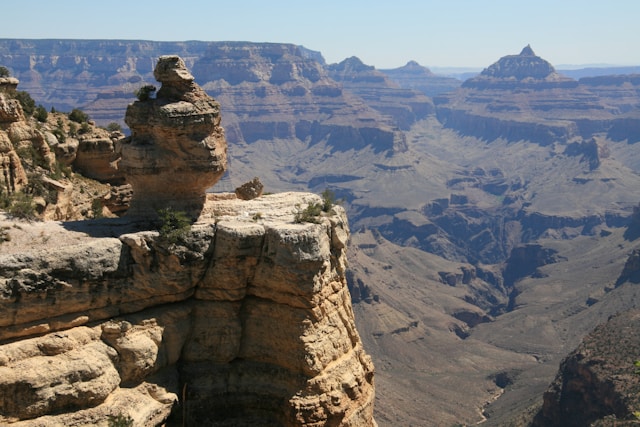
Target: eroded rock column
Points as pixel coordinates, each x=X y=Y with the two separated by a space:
x=177 y=147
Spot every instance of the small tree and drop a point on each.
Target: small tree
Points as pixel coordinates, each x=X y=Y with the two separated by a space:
x=174 y=225
x=78 y=116
x=145 y=92
x=328 y=200
x=41 y=114
x=26 y=101
x=4 y=71
x=114 y=127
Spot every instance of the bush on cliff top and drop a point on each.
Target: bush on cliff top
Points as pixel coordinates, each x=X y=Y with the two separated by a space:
x=174 y=225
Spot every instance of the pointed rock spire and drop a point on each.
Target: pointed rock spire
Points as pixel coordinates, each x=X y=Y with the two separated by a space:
x=527 y=51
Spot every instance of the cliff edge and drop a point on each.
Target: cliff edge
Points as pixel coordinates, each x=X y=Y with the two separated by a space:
x=242 y=318
x=247 y=318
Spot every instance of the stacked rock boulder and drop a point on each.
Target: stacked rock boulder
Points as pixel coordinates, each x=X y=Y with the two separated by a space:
x=177 y=147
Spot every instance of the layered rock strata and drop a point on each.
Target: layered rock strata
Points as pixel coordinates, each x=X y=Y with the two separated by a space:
x=245 y=320
x=403 y=107
x=523 y=97
x=177 y=147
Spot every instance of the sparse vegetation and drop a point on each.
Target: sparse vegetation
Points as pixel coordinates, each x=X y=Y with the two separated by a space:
x=26 y=102
x=78 y=116
x=4 y=234
x=18 y=205
x=314 y=211
x=114 y=127
x=120 y=421
x=41 y=114
x=4 y=71
x=328 y=200
x=174 y=225
x=309 y=214
x=96 y=208
x=84 y=128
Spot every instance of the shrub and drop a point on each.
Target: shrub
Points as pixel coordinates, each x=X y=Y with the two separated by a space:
x=73 y=129
x=309 y=214
x=78 y=116
x=21 y=206
x=26 y=101
x=120 y=421
x=59 y=134
x=84 y=128
x=4 y=71
x=96 y=208
x=41 y=114
x=174 y=225
x=328 y=200
x=114 y=127
x=145 y=92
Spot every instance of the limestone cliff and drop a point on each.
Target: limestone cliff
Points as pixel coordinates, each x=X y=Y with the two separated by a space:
x=245 y=320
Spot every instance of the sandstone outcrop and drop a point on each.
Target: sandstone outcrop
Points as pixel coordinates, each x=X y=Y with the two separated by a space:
x=245 y=320
x=177 y=147
x=15 y=133
x=250 y=190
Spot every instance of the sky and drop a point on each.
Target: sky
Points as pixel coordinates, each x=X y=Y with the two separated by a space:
x=385 y=34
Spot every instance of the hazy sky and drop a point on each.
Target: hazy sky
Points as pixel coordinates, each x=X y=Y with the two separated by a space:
x=386 y=34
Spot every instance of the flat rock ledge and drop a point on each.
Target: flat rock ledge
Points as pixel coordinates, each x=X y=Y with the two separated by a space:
x=245 y=319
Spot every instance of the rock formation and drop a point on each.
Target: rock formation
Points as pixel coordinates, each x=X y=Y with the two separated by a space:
x=244 y=318
x=250 y=190
x=523 y=97
x=403 y=106
x=177 y=148
x=415 y=76
x=524 y=68
x=599 y=380
x=15 y=133
x=243 y=321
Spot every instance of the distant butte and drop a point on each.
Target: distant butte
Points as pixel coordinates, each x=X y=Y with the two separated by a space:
x=524 y=68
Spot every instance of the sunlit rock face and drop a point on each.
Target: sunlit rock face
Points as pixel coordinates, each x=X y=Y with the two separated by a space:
x=245 y=320
x=177 y=147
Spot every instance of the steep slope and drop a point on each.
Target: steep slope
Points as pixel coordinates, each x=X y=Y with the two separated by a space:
x=598 y=383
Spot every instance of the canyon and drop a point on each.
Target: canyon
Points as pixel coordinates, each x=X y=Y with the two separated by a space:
x=492 y=220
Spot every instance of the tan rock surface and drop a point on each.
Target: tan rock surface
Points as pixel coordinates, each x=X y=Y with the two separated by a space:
x=177 y=148
x=248 y=317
